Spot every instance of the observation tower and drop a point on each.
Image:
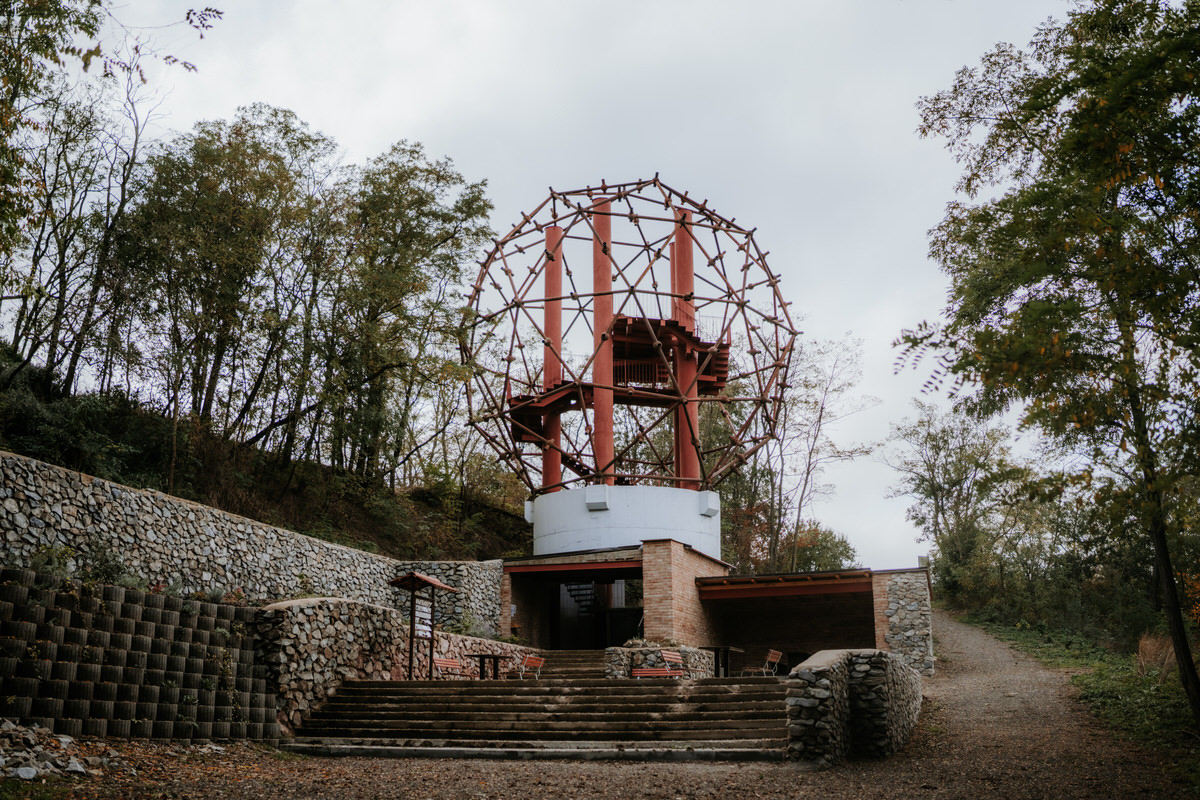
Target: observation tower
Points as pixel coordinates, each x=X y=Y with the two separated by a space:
x=629 y=351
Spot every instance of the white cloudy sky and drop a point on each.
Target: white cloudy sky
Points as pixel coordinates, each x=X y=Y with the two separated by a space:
x=794 y=117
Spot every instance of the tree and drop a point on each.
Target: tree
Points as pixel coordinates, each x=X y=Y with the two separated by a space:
x=957 y=470
x=415 y=223
x=38 y=38
x=203 y=230
x=1074 y=293
x=819 y=549
x=34 y=37
x=821 y=396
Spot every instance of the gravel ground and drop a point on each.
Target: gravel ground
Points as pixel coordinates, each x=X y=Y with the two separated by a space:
x=995 y=724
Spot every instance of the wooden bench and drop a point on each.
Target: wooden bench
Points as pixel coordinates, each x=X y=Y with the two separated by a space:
x=530 y=662
x=769 y=666
x=445 y=665
x=675 y=667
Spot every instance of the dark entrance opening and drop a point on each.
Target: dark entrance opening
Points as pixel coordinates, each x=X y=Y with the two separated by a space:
x=579 y=609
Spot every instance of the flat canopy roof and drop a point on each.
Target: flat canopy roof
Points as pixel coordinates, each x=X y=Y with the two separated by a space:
x=785 y=585
x=414 y=581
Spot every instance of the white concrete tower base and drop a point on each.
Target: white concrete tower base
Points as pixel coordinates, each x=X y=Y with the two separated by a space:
x=599 y=517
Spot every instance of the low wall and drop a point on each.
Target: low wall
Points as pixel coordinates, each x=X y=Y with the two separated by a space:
x=851 y=702
x=163 y=538
x=619 y=662
x=314 y=644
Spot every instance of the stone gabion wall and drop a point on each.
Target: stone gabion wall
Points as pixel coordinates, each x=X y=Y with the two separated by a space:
x=162 y=538
x=885 y=702
x=314 y=644
x=619 y=662
x=843 y=702
x=477 y=603
x=818 y=709
x=909 y=617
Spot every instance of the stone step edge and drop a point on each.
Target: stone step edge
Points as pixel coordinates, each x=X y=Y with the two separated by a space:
x=572 y=751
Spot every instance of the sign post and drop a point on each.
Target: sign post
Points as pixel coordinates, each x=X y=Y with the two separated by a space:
x=420 y=612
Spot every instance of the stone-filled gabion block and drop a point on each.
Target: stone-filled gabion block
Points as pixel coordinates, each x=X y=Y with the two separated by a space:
x=843 y=702
x=909 y=632
x=164 y=538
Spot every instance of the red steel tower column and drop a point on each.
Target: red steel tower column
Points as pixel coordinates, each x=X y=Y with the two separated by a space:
x=551 y=357
x=687 y=417
x=602 y=313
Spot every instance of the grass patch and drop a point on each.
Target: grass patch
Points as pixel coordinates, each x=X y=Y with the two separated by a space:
x=16 y=789
x=1137 y=706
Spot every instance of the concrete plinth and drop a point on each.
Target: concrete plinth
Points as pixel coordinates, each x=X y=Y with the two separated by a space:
x=598 y=517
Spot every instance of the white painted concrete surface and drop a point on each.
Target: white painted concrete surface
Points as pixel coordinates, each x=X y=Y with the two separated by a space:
x=598 y=517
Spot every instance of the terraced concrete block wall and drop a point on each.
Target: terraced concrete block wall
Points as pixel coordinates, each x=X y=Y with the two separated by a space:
x=163 y=538
x=851 y=702
x=107 y=661
x=312 y=645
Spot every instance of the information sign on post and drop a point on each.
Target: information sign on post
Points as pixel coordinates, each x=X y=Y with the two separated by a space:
x=421 y=610
x=423 y=618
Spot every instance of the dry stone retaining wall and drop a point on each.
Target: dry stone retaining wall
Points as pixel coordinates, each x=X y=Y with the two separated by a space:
x=885 y=702
x=818 y=709
x=163 y=538
x=314 y=644
x=843 y=702
x=909 y=616
x=476 y=606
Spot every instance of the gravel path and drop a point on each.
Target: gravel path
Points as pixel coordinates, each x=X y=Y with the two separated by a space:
x=995 y=724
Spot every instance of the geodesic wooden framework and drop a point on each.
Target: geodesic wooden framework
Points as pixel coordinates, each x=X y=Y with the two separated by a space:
x=626 y=333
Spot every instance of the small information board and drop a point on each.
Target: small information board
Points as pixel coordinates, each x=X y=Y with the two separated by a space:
x=423 y=618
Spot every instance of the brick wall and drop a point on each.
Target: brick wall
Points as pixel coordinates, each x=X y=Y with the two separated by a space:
x=879 y=584
x=671 y=600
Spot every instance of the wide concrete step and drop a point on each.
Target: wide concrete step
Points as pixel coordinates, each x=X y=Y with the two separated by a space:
x=518 y=716
x=516 y=731
x=564 y=710
x=555 y=698
x=663 y=686
x=563 y=721
x=573 y=749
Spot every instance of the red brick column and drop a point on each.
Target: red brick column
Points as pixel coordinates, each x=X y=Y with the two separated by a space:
x=505 y=605
x=671 y=600
x=879 y=593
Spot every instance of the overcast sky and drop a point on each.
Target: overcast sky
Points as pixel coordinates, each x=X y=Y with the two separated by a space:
x=797 y=118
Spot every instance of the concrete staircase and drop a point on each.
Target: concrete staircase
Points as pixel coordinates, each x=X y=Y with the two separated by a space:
x=573 y=664
x=658 y=719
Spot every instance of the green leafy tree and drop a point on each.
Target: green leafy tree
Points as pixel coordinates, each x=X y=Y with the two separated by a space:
x=35 y=36
x=1074 y=292
x=203 y=232
x=819 y=549
x=415 y=223
x=38 y=40
x=958 y=471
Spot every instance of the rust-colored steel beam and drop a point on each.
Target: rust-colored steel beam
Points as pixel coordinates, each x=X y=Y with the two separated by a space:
x=644 y=368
